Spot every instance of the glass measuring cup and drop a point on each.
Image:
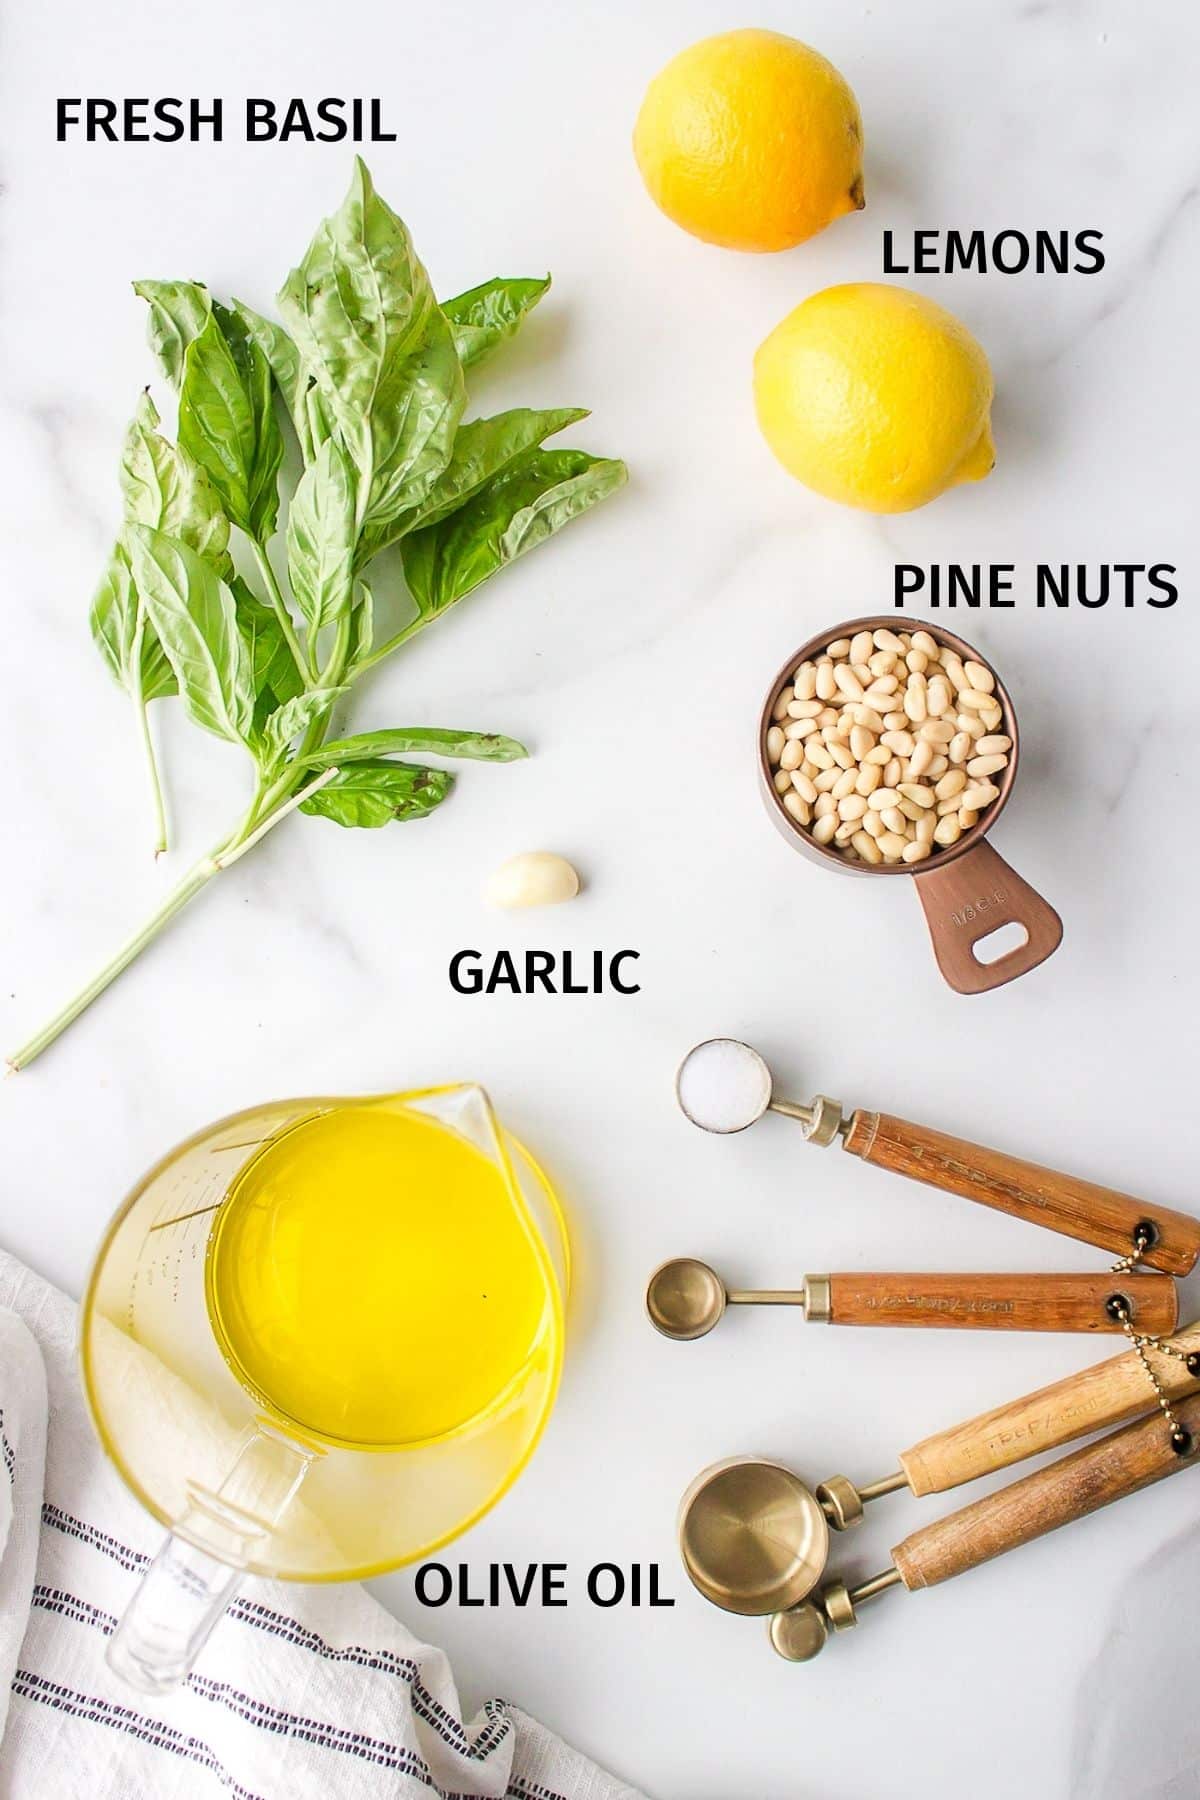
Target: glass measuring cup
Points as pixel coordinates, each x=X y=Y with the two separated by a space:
x=242 y=1484
x=967 y=891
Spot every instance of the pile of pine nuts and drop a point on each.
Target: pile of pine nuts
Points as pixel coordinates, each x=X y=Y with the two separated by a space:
x=886 y=746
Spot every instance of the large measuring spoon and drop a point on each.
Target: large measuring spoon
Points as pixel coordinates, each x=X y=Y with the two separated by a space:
x=725 y=1086
x=1114 y=1467
x=754 y=1537
x=685 y=1299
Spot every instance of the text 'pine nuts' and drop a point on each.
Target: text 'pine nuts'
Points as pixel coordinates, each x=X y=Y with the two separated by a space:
x=887 y=746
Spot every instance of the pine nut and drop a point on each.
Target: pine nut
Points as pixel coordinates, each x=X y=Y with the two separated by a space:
x=893 y=772
x=937 y=767
x=841 y=755
x=870 y=776
x=866 y=847
x=936 y=731
x=862 y=740
x=921 y=640
x=881 y=663
x=894 y=819
x=806 y=681
x=967 y=818
x=925 y=828
x=953 y=782
x=844 y=784
x=785 y=699
x=775 y=743
x=800 y=728
x=827 y=779
x=800 y=810
x=782 y=781
x=806 y=788
x=818 y=754
x=849 y=684
x=916 y=851
x=986 y=765
x=826 y=685
x=861 y=646
x=825 y=827
x=804 y=709
x=912 y=812
x=887 y=640
x=981 y=679
x=882 y=798
x=880 y=757
x=973 y=727
x=825 y=805
x=920 y=759
x=975 y=798
x=896 y=721
x=893 y=844
x=938 y=697
x=902 y=742
x=851 y=806
x=914 y=701
x=960 y=747
x=839 y=648
x=792 y=754
x=919 y=795
x=947 y=831
x=916 y=661
x=867 y=716
x=992 y=746
x=873 y=825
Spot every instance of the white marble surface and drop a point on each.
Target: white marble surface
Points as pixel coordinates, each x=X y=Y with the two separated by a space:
x=631 y=654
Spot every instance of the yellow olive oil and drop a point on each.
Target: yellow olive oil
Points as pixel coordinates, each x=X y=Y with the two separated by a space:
x=371 y=1278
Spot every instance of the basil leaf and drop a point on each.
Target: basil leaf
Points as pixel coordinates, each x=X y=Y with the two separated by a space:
x=370 y=794
x=510 y=516
x=273 y=672
x=293 y=380
x=321 y=535
x=285 y=724
x=362 y=629
x=363 y=317
x=163 y=487
x=482 y=449
x=484 y=316
x=179 y=311
x=115 y=630
x=254 y=372
x=195 y=617
x=216 y=420
x=477 y=746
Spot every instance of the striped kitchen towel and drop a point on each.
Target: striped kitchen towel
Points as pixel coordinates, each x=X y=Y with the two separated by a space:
x=302 y=1690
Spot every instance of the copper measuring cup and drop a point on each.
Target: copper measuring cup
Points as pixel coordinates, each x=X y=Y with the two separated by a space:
x=967 y=891
x=754 y=1537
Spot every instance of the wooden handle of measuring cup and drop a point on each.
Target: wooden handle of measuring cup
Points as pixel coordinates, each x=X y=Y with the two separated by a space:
x=1079 y=1484
x=1079 y=1209
x=1108 y=1393
x=968 y=897
x=1002 y=1302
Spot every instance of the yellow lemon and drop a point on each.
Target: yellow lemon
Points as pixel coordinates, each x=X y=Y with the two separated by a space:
x=751 y=140
x=876 y=397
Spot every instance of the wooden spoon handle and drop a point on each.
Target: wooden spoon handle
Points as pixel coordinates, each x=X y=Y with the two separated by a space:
x=1106 y=1394
x=1079 y=1209
x=1076 y=1485
x=1002 y=1302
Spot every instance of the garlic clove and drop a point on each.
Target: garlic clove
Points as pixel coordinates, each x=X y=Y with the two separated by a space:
x=534 y=878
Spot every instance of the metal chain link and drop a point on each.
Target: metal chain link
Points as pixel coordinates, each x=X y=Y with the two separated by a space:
x=1143 y=1343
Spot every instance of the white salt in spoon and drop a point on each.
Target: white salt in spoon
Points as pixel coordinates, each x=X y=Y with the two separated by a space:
x=722 y=1085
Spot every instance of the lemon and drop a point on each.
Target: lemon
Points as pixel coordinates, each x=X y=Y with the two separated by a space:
x=876 y=397
x=751 y=140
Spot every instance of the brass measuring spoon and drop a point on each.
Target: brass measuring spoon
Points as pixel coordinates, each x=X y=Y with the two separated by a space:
x=725 y=1086
x=685 y=1298
x=754 y=1537
x=1123 y=1463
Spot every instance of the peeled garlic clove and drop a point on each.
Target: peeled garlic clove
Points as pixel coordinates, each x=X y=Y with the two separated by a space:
x=535 y=878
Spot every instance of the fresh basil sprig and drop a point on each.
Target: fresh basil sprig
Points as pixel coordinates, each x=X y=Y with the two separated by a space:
x=367 y=371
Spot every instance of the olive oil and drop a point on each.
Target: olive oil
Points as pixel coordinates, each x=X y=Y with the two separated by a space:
x=372 y=1279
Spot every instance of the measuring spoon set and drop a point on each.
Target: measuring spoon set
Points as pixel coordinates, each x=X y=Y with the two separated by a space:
x=754 y=1537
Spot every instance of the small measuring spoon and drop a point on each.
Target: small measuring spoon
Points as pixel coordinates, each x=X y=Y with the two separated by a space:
x=1115 y=1466
x=685 y=1298
x=724 y=1086
x=751 y=1529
